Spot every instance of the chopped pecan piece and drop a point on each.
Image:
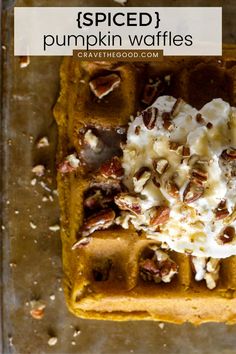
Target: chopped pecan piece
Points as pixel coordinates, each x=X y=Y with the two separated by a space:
x=81 y=243
x=167 y=123
x=140 y=178
x=172 y=188
x=150 y=117
x=186 y=151
x=103 y=85
x=192 y=192
x=209 y=125
x=160 y=215
x=221 y=211
x=112 y=168
x=98 y=221
x=176 y=107
x=199 y=176
x=126 y=201
x=160 y=165
x=174 y=145
x=137 y=130
x=199 y=118
x=93 y=141
x=227 y=236
x=229 y=154
x=151 y=91
x=158 y=268
x=70 y=164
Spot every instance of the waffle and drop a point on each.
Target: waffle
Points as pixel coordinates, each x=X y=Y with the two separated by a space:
x=102 y=277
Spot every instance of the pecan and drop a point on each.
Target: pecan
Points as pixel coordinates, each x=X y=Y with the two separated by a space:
x=112 y=168
x=221 y=211
x=172 y=188
x=137 y=130
x=227 y=236
x=158 y=268
x=151 y=91
x=93 y=141
x=140 y=178
x=81 y=243
x=160 y=165
x=156 y=182
x=24 y=61
x=186 y=151
x=98 y=221
x=37 y=309
x=209 y=125
x=176 y=107
x=126 y=201
x=174 y=145
x=150 y=117
x=192 y=192
x=199 y=118
x=70 y=164
x=199 y=176
x=229 y=154
x=167 y=123
x=103 y=85
x=160 y=216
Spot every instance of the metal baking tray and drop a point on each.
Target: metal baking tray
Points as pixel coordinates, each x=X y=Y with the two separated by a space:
x=31 y=252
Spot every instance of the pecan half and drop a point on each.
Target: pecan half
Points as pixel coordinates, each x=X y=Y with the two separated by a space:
x=112 y=168
x=150 y=117
x=98 y=221
x=103 y=85
x=160 y=165
x=126 y=201
x=227 y=236
x=140 y=178
x=229 y=154
x=192 y=192
x=160 y=215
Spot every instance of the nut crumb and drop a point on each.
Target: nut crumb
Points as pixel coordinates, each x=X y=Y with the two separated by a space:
x=43 y=142
x=52 y=341
x=37 y=309
x=33 y=182
x=73 y=342
x=54 y=228
x=52 y=297
x=76 y=332
x=161 y=325
x=32 y=225
x=38 y=170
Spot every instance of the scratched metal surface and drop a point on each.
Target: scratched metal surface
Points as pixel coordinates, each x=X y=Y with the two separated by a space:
x=32 y=253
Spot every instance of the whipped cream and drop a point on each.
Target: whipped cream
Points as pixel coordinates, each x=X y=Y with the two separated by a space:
x=192 y=227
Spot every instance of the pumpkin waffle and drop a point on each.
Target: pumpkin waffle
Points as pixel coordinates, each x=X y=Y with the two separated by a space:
x=113 y=273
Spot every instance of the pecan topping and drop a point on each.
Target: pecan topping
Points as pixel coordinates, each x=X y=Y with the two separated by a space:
x=221 y=211
x=227 y=236
x=176 y=107
x=160 y=216
x=209 y=125
x=229 y=154
x=160 y=165
x=140 y=178
x=167 y=123
x=98 y=221
x=172 y=188
x=137 y=130
x=158 y=268
x=70 y=164
x=126 y=201
x=103 y=85
x=81 y=243
x=192 y=192
x=186 y=151
x=199 y=118
x=112 y=168
x=174 y=145
x=151 y=91
x=150 y=117
x=199 y=176
x=93 y=141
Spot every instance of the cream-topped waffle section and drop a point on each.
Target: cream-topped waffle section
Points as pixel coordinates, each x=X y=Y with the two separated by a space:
x=180 y=169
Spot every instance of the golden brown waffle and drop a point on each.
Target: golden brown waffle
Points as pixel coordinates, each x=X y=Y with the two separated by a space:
x=102 y=278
